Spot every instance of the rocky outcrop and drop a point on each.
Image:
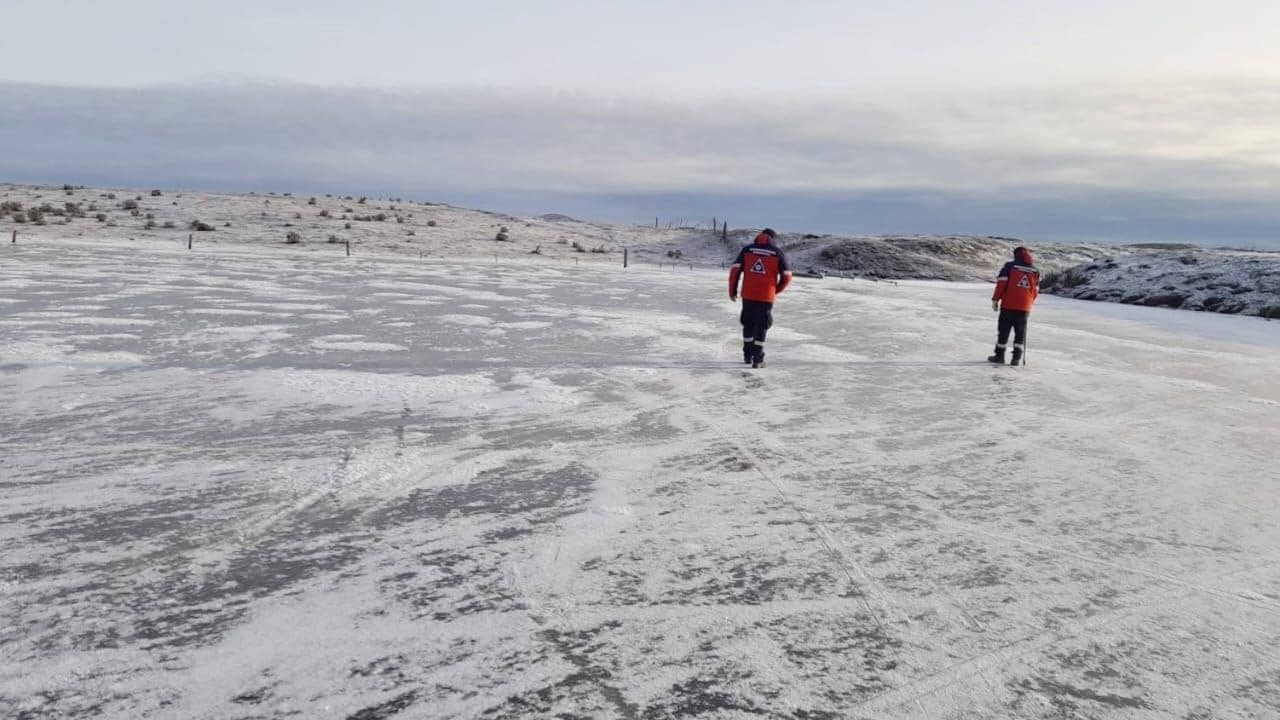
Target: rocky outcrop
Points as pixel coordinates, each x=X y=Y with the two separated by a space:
x=1223 y=281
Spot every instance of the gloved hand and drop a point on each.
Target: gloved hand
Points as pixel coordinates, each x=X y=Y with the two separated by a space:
x=733 y=298
x=995 y=306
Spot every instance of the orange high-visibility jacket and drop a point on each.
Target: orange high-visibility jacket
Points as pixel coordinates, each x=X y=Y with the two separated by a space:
x=763 y=269
x=1018 y=285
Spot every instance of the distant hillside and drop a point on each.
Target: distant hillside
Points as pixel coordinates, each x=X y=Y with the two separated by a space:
x=928 y=257
x=404 y=227
x=1170 y=275
x=324 y=223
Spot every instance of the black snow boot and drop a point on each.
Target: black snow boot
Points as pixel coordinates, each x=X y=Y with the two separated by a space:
x=1017 y=357
x=998 y=358
x=748 y=349
x=758 y=361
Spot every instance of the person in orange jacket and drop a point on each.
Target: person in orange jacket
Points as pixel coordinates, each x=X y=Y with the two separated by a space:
x=764 y=272
x=1016 y=291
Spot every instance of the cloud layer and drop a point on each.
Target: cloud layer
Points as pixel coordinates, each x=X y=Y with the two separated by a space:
x=1195 y=160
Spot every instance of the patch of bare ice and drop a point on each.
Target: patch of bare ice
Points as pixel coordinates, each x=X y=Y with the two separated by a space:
x=230 y=312
x=469 y=320
x=357 y=346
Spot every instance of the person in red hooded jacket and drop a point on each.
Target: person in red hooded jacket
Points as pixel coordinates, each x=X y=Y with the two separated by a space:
x=1016 y=291
x=762 y=266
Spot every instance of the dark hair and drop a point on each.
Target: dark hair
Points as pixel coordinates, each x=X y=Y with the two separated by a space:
x=770 y=232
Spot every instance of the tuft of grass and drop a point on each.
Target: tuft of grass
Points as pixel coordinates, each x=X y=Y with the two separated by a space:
x=1065 y=280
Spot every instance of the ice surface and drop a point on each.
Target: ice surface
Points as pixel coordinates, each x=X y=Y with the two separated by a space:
x=278 y=490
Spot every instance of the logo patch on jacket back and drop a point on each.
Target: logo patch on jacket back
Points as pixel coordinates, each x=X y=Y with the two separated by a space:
x=1024 y=282
x=758 y=267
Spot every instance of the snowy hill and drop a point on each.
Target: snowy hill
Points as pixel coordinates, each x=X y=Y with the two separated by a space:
x=1224 y=281
x=418 y=229
x=1221 y=281
x=320 y=224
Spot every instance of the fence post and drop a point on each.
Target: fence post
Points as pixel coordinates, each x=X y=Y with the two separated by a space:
x=189 y=240
x=348 y=247
x=724 y=236
x=624 y=256
x=15 y=237
x=655 y=222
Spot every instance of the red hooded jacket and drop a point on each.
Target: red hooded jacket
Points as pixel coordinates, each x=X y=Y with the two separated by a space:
x=1018 y=285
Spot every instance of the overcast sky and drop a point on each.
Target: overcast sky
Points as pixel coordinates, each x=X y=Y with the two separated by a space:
x=1070 y=120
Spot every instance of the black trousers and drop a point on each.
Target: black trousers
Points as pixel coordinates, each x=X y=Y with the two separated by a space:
x=1015 y=320
x=757 y=318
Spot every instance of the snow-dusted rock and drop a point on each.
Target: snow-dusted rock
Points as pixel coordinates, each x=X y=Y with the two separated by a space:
x=1224 y=281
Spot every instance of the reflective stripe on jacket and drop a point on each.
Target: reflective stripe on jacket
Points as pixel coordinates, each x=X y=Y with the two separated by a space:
x=1017 y=287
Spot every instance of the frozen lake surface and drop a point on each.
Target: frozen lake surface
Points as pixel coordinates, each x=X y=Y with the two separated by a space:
x=247 y=484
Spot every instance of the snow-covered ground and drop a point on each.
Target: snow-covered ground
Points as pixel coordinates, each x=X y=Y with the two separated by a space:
x=260 y=483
